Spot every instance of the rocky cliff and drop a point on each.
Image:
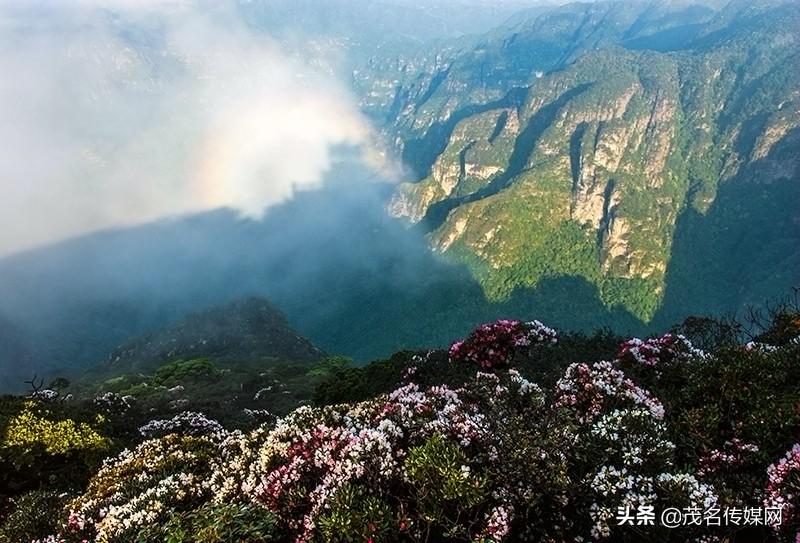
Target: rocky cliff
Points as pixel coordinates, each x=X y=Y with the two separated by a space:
x=582 y=164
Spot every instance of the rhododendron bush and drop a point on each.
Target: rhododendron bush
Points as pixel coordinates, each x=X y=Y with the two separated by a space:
x=494 y=345
x=495 y=458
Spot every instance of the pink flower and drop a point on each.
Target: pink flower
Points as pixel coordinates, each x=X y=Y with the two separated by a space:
x=494 y=345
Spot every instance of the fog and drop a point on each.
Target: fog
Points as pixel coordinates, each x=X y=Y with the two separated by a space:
x=120 y=112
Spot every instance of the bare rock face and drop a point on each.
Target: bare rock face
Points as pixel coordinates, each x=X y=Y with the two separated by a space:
x=412 y=200
x=615 y=243
x=476 y=152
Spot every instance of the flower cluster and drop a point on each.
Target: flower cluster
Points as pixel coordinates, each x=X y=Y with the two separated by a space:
x=635 y=461
x=732 y=454
x=45 y=395
x=494 y=345
x=113 y=403
x=783 y=488
x=186 y=423
x=621 y=488
x=261 y=415
x=590 y=389
x=498 y=523
x=658 y=351
x=764 y=348
x=632 y=437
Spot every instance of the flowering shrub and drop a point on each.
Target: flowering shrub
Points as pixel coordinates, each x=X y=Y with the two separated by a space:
x=734 y=453
x=142 y=487
x=619 y=427
x=113 y=404
x=658 y=351
x=32 y=430
x=45 y=395
x=641 y=478
x=494 y=345
x=187 y=423
x=783 y=490
x=312 y=454
x=587 y=390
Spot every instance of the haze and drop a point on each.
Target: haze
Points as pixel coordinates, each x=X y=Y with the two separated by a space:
x=118 y=116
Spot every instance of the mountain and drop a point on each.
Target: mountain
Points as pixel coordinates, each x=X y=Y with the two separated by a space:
x=248 y=330
x=15 y=353
x=608 y=164
x=649 y=148
x=380 y=21
x=224 y=360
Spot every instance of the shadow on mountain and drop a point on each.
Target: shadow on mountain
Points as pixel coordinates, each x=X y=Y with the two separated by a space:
x=746 y=248
x=420 y=154
x=671 y=39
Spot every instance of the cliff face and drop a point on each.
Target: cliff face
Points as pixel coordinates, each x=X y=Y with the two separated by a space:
x=586 y=170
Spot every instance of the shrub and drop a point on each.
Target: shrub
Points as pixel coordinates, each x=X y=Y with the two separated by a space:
x=32 y=431
x=444 y=486
x=186 y=423
x=660 y=351
x=495 y=345
x=331 y=364
x=215 y=523
x=356 y=516
x=35 y=514
x=44 y=445
x=784 y=328
x=178 y=372
x=708 y=333
x=783 y=491
x=148 y=485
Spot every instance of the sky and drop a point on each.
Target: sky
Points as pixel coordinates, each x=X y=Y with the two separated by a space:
x=120 y=112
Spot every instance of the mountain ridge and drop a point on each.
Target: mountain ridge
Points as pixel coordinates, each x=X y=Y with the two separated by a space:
x=244 y=330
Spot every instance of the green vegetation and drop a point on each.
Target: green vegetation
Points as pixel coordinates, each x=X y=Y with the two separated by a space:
x=35 y=515
x=444 y=486
x=355 y=516
x=178 y=372
x=216 y=524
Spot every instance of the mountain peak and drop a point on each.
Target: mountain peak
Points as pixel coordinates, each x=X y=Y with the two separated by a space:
x=245 y=330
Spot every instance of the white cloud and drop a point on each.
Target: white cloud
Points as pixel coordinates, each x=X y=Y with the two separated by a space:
x=113 y=113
